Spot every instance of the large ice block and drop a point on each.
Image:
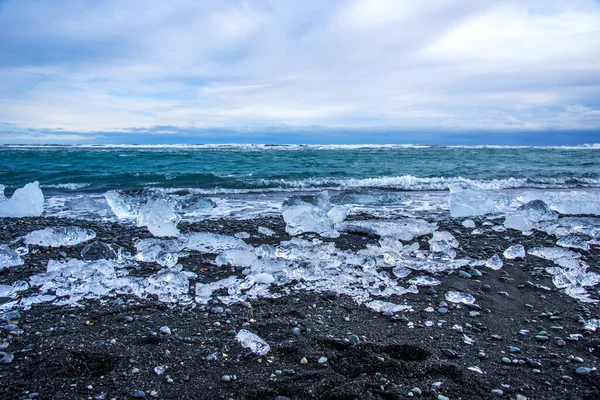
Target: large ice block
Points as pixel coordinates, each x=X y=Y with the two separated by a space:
x=27 y=201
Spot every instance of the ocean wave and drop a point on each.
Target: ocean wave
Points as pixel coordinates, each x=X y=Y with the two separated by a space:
x=68 y=186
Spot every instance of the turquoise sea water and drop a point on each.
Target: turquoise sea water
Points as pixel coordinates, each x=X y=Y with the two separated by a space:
x=239 y=168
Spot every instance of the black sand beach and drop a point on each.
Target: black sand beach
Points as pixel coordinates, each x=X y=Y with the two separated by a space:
x=528 y=342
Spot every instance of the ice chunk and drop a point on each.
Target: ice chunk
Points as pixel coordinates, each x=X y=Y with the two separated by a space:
x=442 y=241
x=7 y=291
x=592 y=325
x=403 y=229
x=9 y=257
x=59 y=236
x=168 y=285
x=242 y=235
x=422 y=280
x=536 y=211
x=573 y=242
x=401 y=272
x=469 y=201
x=213 y=243
x=204 y=291
x=194 y=204
x=514 y=252
x=159 y=217
x=98 y=251
x=494 y=262
x=311 y=214
x=518 y=222
x=264 y=278
x=265 y=231
x=459 y=297
x=552 y=253
x=163 y=252
x=385 y=306
x=236 y=257
x=468 y=223
x=123 y=205
x=27 y=201
x=573 y=277
x=253 y=342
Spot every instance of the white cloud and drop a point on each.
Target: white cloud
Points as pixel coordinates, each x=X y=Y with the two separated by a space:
x=450 y=65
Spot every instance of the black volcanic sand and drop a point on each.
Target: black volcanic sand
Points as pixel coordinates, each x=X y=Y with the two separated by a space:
x=109 y=348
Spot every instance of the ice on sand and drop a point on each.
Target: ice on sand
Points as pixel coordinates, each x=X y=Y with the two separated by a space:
x=163 y=252
x=459 y=297
x=552 y=253
x=253 y=342
x=442 y=241
x=402 y=229
x=573 y=242
x=572 y=276
x=385 y=306
x=159 y=217
x=123 y=205
x=494 y=262
x=518 y=222
x=27 y=201
x=466 y=201
x=9 y=257
x=59 y=236
x=169 y=285
x=536 y=211
x=313 y=214
x=514 y=252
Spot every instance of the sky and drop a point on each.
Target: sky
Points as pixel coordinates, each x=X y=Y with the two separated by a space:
x=311 y=71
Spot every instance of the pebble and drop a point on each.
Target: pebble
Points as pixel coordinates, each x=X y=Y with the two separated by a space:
x=354 y=339
x=416 y=391
x=567 y=378
x=541 y=338
x=322 y=360
x=128 y=318
x=506 y=360
x=497 y=392
x=217 y=310
x=520 y=397
x=296 y=331
x=582 y=371
x=495 y=336
x=442 y=397
x=6 y=358
x=165 y=329
x=303 y=361
x=226 y=378
x=449 y=353
x=514 y=349
x=138 y=394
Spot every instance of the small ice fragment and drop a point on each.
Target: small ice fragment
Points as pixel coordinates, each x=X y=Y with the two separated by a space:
x=592 y=325
x=265 y=231
x=494 y=262
x=242 y=235
x=237 y=258
x=160 y=369
x=573 y=242
x=384 y=306
x=476 y=369
x=159 y=217
x=213 y=243
x=253 y=342
x=168 y=285
x=27 y=201
x=401 y=272
x=478 y=231
x=422 y=280
x=468 y=223
x=459 y=297
x=517 y=222
x=514 y=252
x=552 y=253
x=442 y=241
x=9 y=257
x=468 y=340
x=402 y=229
x=264 y=277
x=123 y=206
x=59 y=236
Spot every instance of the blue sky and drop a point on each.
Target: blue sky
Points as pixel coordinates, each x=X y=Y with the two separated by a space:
x=285 y=71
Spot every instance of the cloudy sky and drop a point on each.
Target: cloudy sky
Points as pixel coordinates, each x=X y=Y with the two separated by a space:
x=352 y=71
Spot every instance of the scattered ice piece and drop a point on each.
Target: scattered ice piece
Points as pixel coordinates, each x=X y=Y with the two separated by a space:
x=7 y=291
x=573 y=242
x=265 y=231
x=518 y=222
x=304 y=214
x=401 y=272
x=163 y=252
x=237 y=258
x=213 y=243
x=27 y=201
x=468 y=223
x=423 y=280
x=9 y=257
x=159 y=217
x=264 y=278
x=442 y=241
x=468 y=340
x=123 y=205
x=160 y=369
x=253 y=342
x=242 y=235
x=204 y=291
x=552 y=253
x=536 y=211
x=494 y=262
x=469 y=201
x=385 y=306
x=459 y=297
x=59 y=236
x=476 y=369
x=402 y=229
x=514 y=252
x=478 y=231
x=168 y=285
x=591 y=325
